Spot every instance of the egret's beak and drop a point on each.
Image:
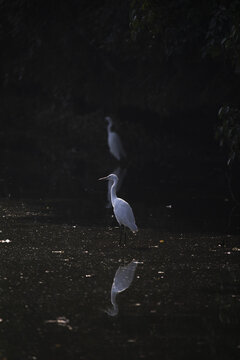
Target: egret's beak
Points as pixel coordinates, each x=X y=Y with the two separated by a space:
x=103 y=178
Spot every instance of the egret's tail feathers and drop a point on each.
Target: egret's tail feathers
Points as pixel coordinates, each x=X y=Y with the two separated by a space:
x=134 y=228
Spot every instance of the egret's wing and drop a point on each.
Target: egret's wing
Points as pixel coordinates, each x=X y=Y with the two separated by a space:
x=120 y=146
x=124 y=276
x=116 y=146
x=124 y=214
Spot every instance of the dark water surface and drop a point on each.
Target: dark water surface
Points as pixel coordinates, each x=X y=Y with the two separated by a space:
x=178 y=299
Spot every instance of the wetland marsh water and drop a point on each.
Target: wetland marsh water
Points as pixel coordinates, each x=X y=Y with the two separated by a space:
x=57 y=264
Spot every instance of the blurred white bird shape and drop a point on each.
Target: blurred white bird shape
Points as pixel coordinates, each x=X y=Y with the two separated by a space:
x=114 y=141
x=121 y=173
x=122 y=210
x=122 y=280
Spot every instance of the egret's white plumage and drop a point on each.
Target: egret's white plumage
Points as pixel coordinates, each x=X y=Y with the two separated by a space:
x=122 y=210
x=114 y=141
x=121 y=173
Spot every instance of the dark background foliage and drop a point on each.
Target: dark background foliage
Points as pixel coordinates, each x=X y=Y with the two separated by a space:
x=161 y=69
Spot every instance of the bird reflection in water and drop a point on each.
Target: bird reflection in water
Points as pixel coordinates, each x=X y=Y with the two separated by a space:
x=114 y=141
x=121 y=173
x=122 y=280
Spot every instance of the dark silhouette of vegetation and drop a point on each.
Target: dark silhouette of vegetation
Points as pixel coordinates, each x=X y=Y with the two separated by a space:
x=163 y=69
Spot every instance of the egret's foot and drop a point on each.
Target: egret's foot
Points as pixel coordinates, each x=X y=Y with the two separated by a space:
x=125 y=238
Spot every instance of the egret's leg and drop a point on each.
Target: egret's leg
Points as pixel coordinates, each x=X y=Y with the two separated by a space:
x=125 y=235
x=120 y=241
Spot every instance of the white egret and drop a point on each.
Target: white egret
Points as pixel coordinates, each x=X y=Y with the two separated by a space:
x=122 y=210
x=122 y=280
x=121 y=173
x=114 y=141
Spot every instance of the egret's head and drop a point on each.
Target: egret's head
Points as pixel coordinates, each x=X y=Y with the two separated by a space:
x=108 y=119
x=111 y=177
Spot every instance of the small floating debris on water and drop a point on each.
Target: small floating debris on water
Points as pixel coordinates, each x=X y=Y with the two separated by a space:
x=137 y=304
x=57 y=251
x=89 y=275
x=61 y=321
x=132 y=340
x=235 y=249
x=1 y=320
x=161 y=241
x=5 y=241
x=169 y=206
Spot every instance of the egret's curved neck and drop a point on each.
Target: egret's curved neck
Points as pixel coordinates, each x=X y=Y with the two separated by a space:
x=114 y=302
x=109 y=127
x=113 y=191
x=114 y=310
x=113 y=298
